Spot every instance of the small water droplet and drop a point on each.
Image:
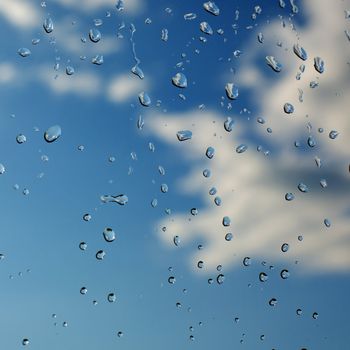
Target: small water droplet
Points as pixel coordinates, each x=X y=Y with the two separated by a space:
x=144 y=99
x=95 y=35
x=241 y=148
x=179 y=80
x=288 y=108
x=311 y=142
x=120 y=334
x=211 y=7
x=20 y=138
x=52 y=133
x=263 y=277
x=184 y=135
x=273 y=302
x=87 y=217
x=260 y=38
x=108 y=234
x=98 y=60
x=226 y=221
x=69 y=70
x=65 y=324
x=228 y=124
x=82 y=245
x=300 y=52
x=319 y=64
x=284 y=274
x=176 y=240
x=271 y=61
x=327 y=222
x=171 y=280
x=231 y=91
x=111 y=297
x=48 y=25
x=303 y=188
x=206 y=28
x=24 y=52
x=220 y=278
x=100 y=255
x=315 y=315
x=83 y=290
x=2 y=169
x=228 y=237
x=299 y=312
x=190 y=16
x=333 y=134
x=285 y=247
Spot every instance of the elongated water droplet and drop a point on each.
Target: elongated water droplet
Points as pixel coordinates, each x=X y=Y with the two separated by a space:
x=24 y=52
x=120 y=199
x=206 y=28
x=95 y=35
x=300 y=52
x=52 y=133
x=241 y=148
x=212 y=8
x=108 y=234
x=184 y=135
x=48 y=25
x=261 y=38
x=271 y=61
x=319 y=64
x=144 y=99
x=190 y=16
x=176 y=240
x=231 y=91
x=165 y=34
x=179 y=80
x=137 y=71
x=120 y=5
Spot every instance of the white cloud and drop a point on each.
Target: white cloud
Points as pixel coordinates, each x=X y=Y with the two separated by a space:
x=252 y=190
x=7 y=72
x=125 y=86
x=20 y=13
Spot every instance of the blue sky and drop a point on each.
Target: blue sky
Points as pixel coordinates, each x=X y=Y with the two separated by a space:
x=97 y=107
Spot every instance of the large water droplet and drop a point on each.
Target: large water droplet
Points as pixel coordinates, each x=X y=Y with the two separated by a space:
x=24 y=52
x=94 y=35
x=184 y=135
x=179 y=80
x=52 y=133
x=48 y=25
x=300 y=52
x=108 y=234
x=212 y=8
x=138 y=71
x=120 y=199
x=206 y=28
x=231 y=91
x=271 y=61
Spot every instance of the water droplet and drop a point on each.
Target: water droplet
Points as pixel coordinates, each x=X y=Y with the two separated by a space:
x=300 y=52
x=327 y=222
x=171 y=280
x=285 y=274
x=228 y=124
x=144 y=99
x=87 y=217
x=120 y=334
x=24 y=52
x=200 y=264
x=165 y=34
x=206 y=28
x=2 y=169
x=263 y=277
x=190 y=16
x=25 y=341
x=82 y=245
x=48 y=25
x=120 y=5
x=108 y=234
x=164 y=188
x=228 y=237
x=179 y=80
x=285 y=247
x=137 y=71
x=271 y=61
x=303 y=188
x=299 y=312
x=212 y=191
x=319 y=64
x=194 y=211
x=206 y=173
x=111 y=297
x=311 y=142
x=95 y=35
x=52 y=133
x=241 y=148
x=315 y=315
x=231 y=91
x=83 y=290
x=100 y=255
x=247 y=261
x=69 y=70
x=260 y=38
x=273 y=302
x=211 y=7
x=226 y=221
x=333 y=134
x=21 y=139
x=176 y=240
x=217 y=201
x=120 y=199
x=184 y=135
x=288 y=108
x=98 y=60
x=323 y=183
x=154 y=202
x=65 y=324
x=210 y=152
x=220 y=278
